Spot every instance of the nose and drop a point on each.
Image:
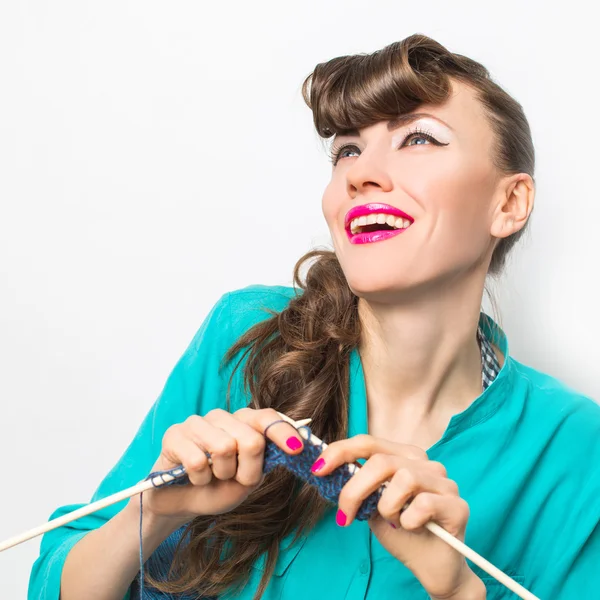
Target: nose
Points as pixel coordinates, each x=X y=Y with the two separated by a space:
x=367 y=173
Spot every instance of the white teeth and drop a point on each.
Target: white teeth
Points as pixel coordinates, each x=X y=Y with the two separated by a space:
x=379 y=218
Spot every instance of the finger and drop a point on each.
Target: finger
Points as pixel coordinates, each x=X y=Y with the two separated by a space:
x=221 y=446
x=362 y=446
x=406 y=483
x=283 y=434
x=450 y=512
x=407 y=478
x=250 y=446
x=180 y=450
x=378 y=469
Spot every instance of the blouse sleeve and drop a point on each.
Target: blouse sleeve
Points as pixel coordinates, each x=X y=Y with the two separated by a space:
x=197 y=384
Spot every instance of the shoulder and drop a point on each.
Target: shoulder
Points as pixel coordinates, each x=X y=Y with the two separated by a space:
x=234 y=313
x=239 y=309
x=551 y=394
x=552 y=406
x=254 y=303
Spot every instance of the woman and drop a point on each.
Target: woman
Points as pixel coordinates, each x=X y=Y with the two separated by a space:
x=385 y=348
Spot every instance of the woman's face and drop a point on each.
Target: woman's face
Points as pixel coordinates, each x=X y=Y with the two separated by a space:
x=447 y=190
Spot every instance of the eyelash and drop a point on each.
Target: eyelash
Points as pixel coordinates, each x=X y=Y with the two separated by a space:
x=335 y=151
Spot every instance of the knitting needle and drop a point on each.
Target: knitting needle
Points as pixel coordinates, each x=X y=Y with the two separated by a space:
x=440 y=532
x=156 y=481
x=140 y=487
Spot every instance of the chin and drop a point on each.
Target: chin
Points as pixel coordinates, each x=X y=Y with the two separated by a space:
x=366 y=284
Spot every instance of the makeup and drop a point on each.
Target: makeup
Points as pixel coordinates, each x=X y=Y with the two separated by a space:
x=374 y=222
x=430 y=125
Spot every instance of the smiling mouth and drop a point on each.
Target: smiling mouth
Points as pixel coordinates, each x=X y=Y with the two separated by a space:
x=376 y=222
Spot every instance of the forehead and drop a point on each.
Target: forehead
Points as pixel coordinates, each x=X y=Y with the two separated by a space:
x=465 y=113
x=463 y=107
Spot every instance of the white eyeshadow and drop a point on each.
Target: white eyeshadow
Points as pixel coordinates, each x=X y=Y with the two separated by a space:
x=437 y=130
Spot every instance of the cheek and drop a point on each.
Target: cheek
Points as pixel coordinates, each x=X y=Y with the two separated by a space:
x=458 y=189
x=455 y=199
x=330 y=204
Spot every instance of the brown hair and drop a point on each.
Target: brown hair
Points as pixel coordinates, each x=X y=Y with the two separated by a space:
x=298 y=360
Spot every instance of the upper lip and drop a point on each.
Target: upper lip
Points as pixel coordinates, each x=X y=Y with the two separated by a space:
x=374 y=207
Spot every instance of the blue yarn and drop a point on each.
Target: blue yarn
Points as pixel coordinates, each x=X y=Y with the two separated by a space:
x=158 y=564
x=329 y=487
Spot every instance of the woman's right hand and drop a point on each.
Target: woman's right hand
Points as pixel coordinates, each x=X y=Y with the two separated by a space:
x=236 y=444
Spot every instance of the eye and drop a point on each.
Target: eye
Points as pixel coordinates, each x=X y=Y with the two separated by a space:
x=336 y=153
x=421 y=138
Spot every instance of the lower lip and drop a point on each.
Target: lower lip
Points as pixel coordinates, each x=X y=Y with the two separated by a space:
x=373 y=236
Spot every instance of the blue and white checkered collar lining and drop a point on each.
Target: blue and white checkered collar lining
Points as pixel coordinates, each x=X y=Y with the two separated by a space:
x=489 y=362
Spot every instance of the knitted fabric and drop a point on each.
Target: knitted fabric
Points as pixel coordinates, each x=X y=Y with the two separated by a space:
x=329 y=486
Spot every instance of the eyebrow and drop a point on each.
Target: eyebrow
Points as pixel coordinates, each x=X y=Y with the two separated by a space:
x=398 y=122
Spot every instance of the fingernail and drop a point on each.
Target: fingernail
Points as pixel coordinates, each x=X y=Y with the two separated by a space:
x=318 y=465
x=340 y=518
x=294 y=443
x=393 y=525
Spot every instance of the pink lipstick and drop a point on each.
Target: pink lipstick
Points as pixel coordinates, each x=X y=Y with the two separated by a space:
x=377 y=235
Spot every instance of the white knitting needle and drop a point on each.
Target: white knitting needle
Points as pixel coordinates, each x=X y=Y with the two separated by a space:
x=462 y=548
x=143 y=486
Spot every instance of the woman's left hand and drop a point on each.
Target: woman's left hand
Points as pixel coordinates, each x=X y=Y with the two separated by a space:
x=411 y=476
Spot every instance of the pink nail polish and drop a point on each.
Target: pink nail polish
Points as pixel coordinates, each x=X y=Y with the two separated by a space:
x=318 y=465
x=294 y=443
x=340 y=518
x=393 y=526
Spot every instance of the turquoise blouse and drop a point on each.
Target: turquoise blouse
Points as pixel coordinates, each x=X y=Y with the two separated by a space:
x=525 y=455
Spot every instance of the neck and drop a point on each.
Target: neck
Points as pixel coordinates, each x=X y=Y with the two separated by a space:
x=421 y=360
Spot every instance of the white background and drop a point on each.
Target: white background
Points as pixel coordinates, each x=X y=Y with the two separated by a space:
x=154 y=155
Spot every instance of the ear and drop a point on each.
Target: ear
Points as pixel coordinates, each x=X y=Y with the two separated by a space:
x=516 y=197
